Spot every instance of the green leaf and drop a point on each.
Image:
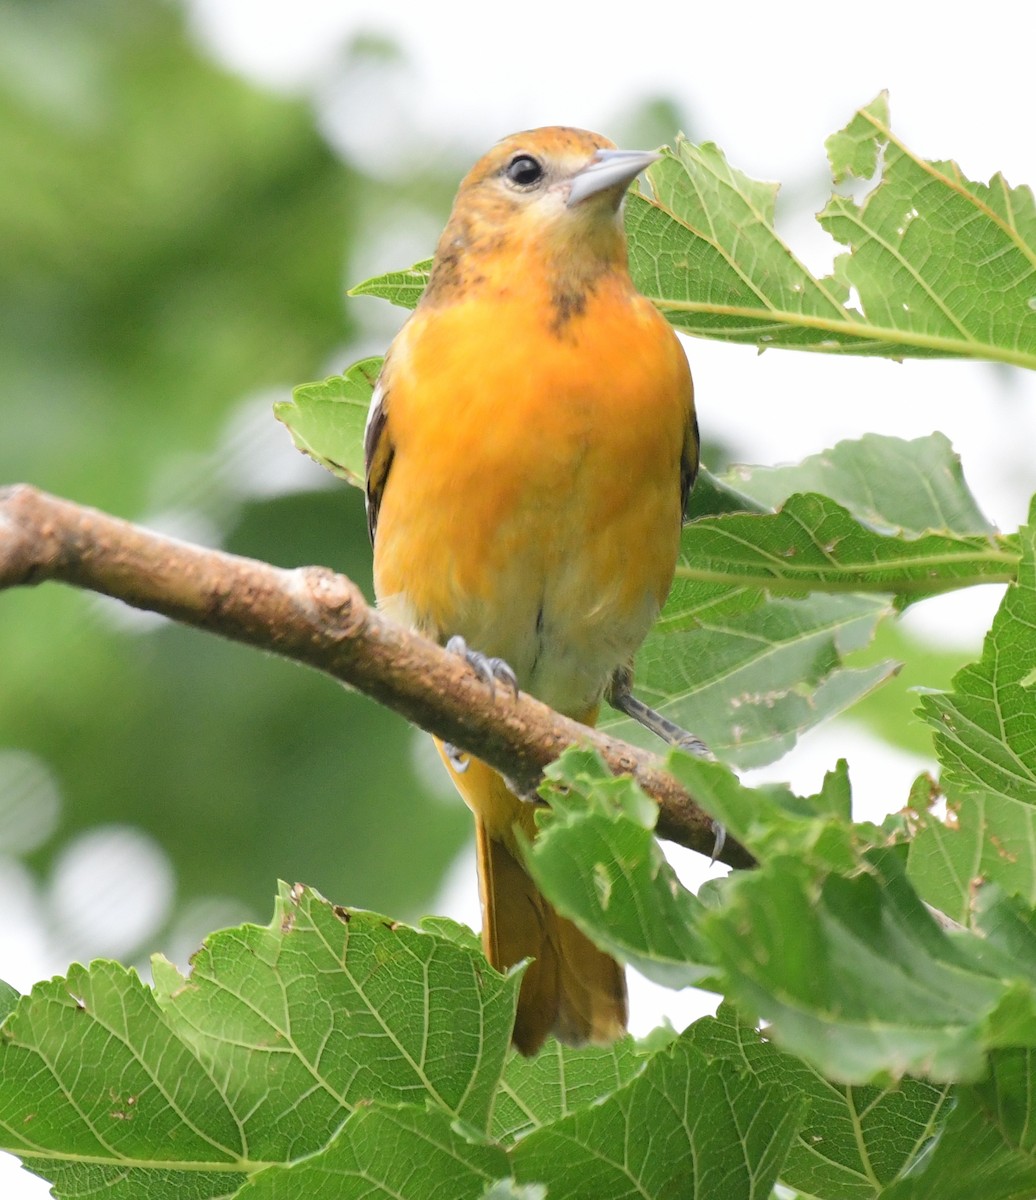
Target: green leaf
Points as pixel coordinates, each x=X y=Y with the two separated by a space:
x=986 y=726
x=750 y=680
x=559 y=1080
x=815 y=544
x=942 y=266
x=712 y=495
x=947 y=263
x=9 y=997
x=326 y=420
x=597 y=860
x=75 y=1180
x=773 y=822
x=453 y=931
x=985 y=837
x=704 y=248
x=364 y=983
x=856 y=977
x=892 y=485
x=682 y=1127
x=385 y=1153
x=256 y=1058
x=398 y=287
x=1008 y=928
x=987 y=1147
x=852 y=1140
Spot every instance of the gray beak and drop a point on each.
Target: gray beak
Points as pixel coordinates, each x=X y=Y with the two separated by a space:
x=609 y=169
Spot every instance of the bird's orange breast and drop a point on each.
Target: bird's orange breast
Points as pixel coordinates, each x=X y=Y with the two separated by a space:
x=534 y=501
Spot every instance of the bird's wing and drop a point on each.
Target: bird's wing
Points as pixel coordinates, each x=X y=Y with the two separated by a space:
x=688 y=460
x=378 y=450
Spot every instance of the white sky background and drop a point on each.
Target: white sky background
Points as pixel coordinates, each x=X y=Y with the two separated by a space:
x=768 y=83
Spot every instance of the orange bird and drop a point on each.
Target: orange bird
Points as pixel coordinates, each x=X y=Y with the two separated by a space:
x=530 y=447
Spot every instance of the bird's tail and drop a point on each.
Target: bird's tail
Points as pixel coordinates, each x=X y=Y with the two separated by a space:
x=571 y=988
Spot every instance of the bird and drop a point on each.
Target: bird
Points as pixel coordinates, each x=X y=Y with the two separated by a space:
x=529 y=450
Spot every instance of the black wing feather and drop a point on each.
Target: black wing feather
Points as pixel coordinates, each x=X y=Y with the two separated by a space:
x=378 y=453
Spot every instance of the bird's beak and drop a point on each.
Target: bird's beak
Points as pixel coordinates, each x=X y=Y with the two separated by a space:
x=609 y=169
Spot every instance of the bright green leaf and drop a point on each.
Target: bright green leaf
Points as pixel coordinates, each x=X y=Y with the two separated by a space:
x=986 y=837
x=597 y=860
x=358 y=1015
x=8 y=999
x=947 y=264
x=942 y=266
x=326 y=420
x=986 y=726
x=398 y=287
x=388 y=1153
x=256 y=1058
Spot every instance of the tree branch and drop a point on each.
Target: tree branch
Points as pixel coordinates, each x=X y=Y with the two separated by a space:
x=313 y=616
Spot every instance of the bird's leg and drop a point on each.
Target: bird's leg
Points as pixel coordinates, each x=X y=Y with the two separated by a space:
x=620 y=696
x=492 y=671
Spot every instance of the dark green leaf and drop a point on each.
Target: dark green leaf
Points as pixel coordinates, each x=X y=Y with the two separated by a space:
x=749 y=680
x=987 y=1148
x=852 y=1140
x=683 y=1127
x=892 y=485
x=856 y=977
x=559 y=1080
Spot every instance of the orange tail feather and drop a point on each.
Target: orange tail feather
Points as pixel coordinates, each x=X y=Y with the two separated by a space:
x=571 y=988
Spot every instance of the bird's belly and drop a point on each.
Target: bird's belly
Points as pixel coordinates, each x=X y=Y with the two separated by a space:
x=554 y=566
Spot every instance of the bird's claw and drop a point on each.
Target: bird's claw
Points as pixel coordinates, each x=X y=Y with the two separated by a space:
x=720 y=831
x=490 y=670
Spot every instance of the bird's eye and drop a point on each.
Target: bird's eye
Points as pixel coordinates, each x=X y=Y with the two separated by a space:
x=524 y=171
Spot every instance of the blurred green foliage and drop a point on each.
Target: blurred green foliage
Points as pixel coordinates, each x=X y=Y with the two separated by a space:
x=174 y=242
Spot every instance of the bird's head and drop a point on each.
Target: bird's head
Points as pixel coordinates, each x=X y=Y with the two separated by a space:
x=553 y=192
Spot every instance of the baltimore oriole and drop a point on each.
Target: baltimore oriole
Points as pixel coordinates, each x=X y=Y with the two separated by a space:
x=530 y=447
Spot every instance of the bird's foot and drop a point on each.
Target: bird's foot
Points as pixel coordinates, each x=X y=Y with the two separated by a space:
x=491 y=670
